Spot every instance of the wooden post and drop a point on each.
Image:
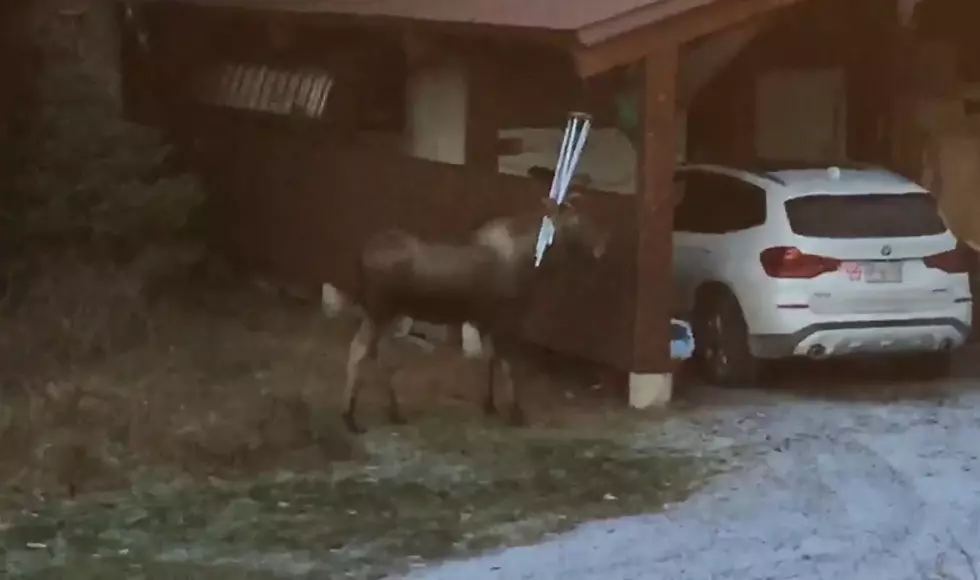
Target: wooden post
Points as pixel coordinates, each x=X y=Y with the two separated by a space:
x=651 y=380
x=481 y=115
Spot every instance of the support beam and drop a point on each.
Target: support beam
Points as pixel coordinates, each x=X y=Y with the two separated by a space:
x=482 y=118
x=906 y=11
x=702 y=61
x=633 y=45
x=651 y=380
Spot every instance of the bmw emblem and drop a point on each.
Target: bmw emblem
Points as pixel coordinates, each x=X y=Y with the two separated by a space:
x=886 y=250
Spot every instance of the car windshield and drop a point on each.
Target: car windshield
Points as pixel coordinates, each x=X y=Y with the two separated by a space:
x=877 y=215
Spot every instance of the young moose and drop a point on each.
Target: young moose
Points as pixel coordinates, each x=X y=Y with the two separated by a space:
x=485 y=282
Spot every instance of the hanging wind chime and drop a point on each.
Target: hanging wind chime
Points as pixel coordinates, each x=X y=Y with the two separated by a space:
x=573 y=142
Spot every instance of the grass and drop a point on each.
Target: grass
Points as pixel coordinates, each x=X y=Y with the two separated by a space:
x=426 y=493
x=208 y=446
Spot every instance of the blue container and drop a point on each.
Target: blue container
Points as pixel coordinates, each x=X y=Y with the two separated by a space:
x=681 y=340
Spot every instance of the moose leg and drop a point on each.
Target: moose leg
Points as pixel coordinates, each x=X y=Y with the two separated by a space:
x=395 y=414
x=364 y=342
x=489 y=406
x=517 y=418
x=504 y=353
x=384 y=365
x=489 y=353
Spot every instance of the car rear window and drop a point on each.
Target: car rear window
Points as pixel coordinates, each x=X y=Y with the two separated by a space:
x=864 y=216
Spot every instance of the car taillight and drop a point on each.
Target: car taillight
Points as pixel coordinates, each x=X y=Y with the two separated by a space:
x=952 y=262
x=789 y=262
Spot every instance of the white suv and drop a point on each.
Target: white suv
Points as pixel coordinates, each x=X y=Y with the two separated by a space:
x=777 y=262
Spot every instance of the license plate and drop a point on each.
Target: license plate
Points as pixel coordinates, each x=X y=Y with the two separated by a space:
x=881 y=272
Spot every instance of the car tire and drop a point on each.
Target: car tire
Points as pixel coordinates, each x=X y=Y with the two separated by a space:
x=721 y=340
x=928 y=366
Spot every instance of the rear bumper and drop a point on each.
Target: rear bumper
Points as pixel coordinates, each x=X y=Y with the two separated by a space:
x=843 y=338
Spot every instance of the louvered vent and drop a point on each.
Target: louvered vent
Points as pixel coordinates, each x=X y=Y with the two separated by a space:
x=266 y=89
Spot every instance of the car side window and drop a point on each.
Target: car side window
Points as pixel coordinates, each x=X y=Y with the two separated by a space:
x=694 y=213
x=717 y=204
x=685 y=210
x=742 y=204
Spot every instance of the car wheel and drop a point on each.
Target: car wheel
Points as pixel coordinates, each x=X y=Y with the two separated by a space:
x=928 y=365
x=721 y=341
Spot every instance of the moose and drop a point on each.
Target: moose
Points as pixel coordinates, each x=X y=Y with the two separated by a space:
x=485 y=281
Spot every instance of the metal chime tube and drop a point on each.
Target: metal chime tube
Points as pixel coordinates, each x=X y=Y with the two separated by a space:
x=566 y=144
x=572 y=163
x=573 y=143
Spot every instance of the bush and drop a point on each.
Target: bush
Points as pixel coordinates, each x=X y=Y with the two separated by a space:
x=100 y=372
x=87 y=226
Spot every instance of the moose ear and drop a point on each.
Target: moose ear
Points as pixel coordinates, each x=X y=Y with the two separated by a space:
x=550 y=205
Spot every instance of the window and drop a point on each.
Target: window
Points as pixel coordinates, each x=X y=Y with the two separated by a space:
x=713 y=203
x=865 y=216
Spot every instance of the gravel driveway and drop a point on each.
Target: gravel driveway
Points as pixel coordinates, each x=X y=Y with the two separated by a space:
x=819 y=490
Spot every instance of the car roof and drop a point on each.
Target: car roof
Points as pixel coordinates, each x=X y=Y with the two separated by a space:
x=796 y=180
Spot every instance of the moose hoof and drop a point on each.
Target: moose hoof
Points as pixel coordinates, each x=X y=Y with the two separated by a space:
x=489 y=408
x=517 y=418
x=351 y=423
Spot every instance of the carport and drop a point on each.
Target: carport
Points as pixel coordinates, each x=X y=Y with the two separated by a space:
x=695 y=68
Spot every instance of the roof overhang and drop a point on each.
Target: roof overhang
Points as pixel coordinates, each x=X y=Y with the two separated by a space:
x=630 y=37
x=633 y=31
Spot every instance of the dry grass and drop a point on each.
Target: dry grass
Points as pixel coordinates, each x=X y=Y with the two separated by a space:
x=98 y=378
x=107 y=367
x=194 y=418
x=425 y=493
x=199 y=432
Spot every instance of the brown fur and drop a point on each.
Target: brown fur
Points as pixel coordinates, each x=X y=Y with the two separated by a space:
x=483 y=282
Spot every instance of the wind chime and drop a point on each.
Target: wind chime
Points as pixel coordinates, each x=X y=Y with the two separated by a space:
x=573 y=142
